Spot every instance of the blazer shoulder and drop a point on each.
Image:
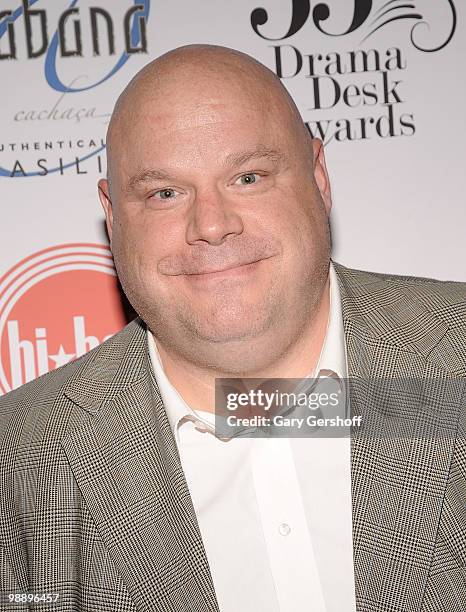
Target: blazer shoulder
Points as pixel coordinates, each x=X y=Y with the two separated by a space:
x=446 y=300
x=366 y=277
x=421 y=315
x=43 y=398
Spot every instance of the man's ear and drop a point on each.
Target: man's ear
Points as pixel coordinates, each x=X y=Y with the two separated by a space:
x=321 y=174
x=104 y=197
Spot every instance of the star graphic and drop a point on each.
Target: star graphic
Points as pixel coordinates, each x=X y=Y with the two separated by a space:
x=61 y=357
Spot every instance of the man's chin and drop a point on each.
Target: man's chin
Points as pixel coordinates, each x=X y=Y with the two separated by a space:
x=228 y=331
x=232 y=351
x=232 y=322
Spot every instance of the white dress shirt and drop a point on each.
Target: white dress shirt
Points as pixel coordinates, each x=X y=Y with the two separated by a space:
x=274 y=513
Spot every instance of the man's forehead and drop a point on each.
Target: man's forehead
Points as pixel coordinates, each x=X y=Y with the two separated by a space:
x=182 y=128
x=207 y=109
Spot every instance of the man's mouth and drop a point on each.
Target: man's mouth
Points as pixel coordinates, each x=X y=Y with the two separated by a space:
x=218 y=270
x=228 y=271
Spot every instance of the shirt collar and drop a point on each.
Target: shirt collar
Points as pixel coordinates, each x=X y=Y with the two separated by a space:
x=175 y=406
x=332 y=359
x=333 y=353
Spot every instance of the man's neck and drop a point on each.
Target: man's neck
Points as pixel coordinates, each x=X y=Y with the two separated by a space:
x=196 y=385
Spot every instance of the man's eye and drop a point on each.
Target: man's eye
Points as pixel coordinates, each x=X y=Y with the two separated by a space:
x=249 y=178
x=165 y=194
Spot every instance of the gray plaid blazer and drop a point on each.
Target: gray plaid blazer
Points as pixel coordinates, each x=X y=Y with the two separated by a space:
x=94 y=504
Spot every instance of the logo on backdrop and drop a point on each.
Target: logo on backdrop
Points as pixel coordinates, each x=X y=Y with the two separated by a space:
x=77 y=48
x=339 y=79
x=67 y=41
x=48 y=310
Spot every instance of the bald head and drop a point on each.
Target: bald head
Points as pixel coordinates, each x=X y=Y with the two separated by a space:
x=191 y=75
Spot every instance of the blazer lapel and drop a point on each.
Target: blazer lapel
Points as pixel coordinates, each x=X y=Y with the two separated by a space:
x=401 y=458
x=126 y=464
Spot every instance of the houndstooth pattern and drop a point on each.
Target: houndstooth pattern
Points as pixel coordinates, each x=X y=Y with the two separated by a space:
x=94 y=504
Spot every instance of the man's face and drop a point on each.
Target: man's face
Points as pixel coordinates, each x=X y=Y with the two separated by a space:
x=218 y=229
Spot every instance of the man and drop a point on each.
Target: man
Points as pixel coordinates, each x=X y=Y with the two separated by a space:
x=118 y=494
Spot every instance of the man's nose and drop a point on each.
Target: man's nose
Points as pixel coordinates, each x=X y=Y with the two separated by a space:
x=212 y=219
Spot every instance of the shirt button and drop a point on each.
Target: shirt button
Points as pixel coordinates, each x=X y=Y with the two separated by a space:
x=284 y=529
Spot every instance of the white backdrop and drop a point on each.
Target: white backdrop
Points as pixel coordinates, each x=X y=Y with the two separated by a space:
x=381 y=83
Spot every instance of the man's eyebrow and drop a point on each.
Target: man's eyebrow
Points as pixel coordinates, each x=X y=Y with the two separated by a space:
x=233 y=159
x=146 y=176
x=237 y=159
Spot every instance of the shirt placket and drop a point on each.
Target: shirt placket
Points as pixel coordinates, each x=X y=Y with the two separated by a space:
x=282 y=515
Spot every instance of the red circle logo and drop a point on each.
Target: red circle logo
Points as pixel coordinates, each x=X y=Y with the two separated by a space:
x=55 y=306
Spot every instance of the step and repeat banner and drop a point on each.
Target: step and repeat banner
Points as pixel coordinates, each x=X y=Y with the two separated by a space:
x=380 y=82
